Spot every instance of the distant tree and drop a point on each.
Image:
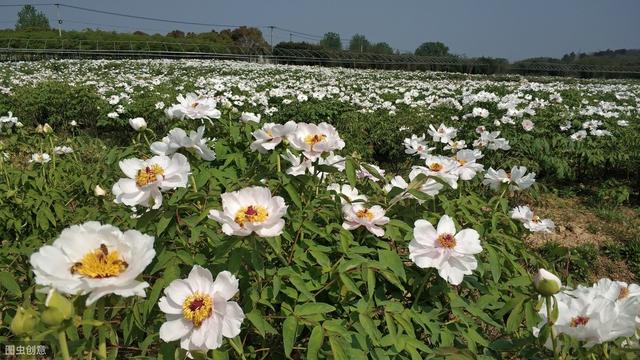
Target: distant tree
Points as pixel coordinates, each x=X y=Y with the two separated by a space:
x=432 y=49
x=359 y=43
x=32 y=19
x=246 y=37
x=331 y=41
x=140 y=33
x=176 y=34
x=381 y=48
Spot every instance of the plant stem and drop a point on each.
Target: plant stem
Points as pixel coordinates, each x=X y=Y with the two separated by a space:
x=550 y=322
x=102 y=338
x=64 y=349
x=423 y=282
x=237 y=348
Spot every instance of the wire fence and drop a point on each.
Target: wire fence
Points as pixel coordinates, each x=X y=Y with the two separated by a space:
x=14 y=49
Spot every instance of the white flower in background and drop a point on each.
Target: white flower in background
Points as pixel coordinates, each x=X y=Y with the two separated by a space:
x=271 y=135
x=251 y=209
x=192 y=106
x=250 y=117
x=8 y=120
x=530 y=220
x=348 y=193
x=113 y=115
x=199 y=311
x=94 y=259
x=443 y=133
x=363 y=173
x=451 y=252
x=429 y=187
x=333 y=160
x=467 y=165
x=114 y=99
x=299 y=164
x=147 y=179
x=138 y=124
x=438 y=166
x=159 y=105
x=566 y=126
x=357 y=214
x=178 y=138
x=578 y=135
x=527 y=125
x=417 y=145
x=480 y=129
x=99 y=191
x=61 y=150
x=516 y=179
x=480 y=112
x=313 y=140
x=455 y=145
x=623 y=123
x=40 y=158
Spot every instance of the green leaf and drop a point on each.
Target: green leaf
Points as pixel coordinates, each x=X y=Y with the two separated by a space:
x=312 y=309
x=337 y=348
x=289 y=328
x=261 y=325
x=315 y=342
x=515 y=317
x=350 y=170
x=392 y=260
x=8 y=282
x=293 y=194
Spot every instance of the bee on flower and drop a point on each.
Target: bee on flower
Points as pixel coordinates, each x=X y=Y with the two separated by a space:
x=147 y=179
x=94 y=259
x=313 y=140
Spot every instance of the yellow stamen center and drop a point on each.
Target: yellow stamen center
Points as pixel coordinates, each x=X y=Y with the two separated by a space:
x=624 y=292
x=252 y=214
x=100 y=263
x=149 y=175
x=447 y=241
x=365 y=214
x=197 y=307
x=195 y=104
x=462 y=162
x=435 y=167
x=579 y=321
x=314 y=139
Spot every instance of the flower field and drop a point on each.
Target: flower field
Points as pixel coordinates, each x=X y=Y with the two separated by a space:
x=206 y=209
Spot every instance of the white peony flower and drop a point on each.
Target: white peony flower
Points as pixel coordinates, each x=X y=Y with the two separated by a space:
x=99 y=191
x=199 y=312
x=467 y=165
x=192 y=106
x=271 y=135
x=40 y=158
x=313 y=140
x=531 y=221
x=178 y=138
x=62 y=150
x=94 y=259
x=578 y=135
x=147 y=179
x=451 y=252
x=516 y=179
x=249 y=210
x=438 y=166
x=357 y=214
x=250 y=117
x=527 y=125
x=300 y=165
x=138 y=124
x=348 y=193
x=443 y=134
x=363 y=173
x=416 y=145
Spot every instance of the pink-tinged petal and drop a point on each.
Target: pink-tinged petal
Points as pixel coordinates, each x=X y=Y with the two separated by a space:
x=424 y=233
x=468 y=242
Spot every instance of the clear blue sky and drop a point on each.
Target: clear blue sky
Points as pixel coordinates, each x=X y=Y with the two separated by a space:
x=513 y=29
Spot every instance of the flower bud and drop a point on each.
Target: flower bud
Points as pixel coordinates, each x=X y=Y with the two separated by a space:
x=98 y=191
x=24 y=322
x=138 y=124
x=546 y=283
x=51 y=317
x=47 y=129
x=60 y=303
x=39 y=129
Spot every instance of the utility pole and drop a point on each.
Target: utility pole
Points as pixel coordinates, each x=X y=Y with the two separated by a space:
x=271 y=35
x=290 y=37
x=59 y=20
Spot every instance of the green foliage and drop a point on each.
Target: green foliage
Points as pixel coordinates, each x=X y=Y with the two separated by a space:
x=432 y=49
x=31 y=19
x=58 y=104
x=331 y=41
x=359 y=43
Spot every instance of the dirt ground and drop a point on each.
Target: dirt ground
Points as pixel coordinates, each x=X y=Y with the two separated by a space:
x=578 y=224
